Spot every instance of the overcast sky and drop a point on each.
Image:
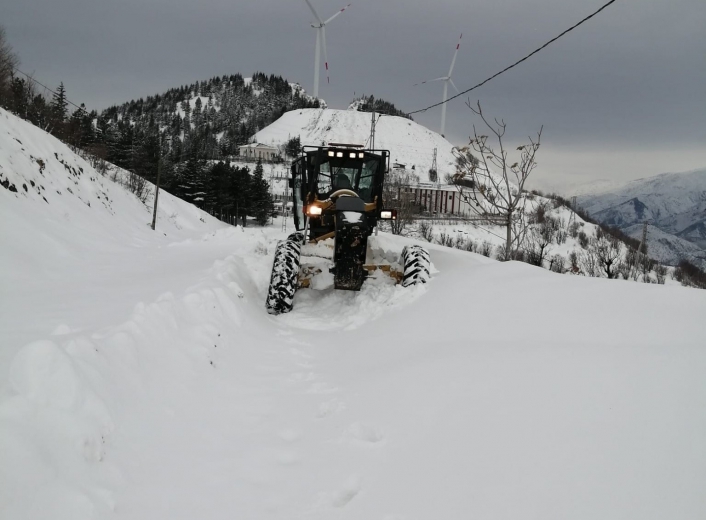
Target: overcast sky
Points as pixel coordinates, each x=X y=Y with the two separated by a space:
x=623 y=96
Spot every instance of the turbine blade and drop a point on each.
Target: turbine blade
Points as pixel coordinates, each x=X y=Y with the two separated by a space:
x=454 y=85
x=335 y=15
x=313 y=11
x=323 y=42
x=453 y=61
x=430 y=80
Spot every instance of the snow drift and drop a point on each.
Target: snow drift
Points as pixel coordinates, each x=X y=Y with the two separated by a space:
x=142 y=378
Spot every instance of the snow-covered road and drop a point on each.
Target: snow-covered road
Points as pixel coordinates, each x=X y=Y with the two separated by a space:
x=498 y=389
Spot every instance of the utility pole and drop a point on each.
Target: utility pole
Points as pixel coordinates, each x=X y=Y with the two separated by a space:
x=372 y=131
x=643 y=242
x=639 y=261
x=156 y=192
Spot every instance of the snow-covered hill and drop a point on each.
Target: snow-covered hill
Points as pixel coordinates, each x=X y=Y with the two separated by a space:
x=409 y=143
x=675 y=203
x=58 y=216
x=141 y=378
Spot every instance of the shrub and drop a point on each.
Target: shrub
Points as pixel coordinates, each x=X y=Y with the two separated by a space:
x=661 y=273
x=486 y=248
x=426 y=230
x=583 y=239
x=574 y=260
x=445 y=239
x=690 y=275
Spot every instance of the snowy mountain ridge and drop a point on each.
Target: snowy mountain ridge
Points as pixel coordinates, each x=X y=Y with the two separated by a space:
x=675 y=203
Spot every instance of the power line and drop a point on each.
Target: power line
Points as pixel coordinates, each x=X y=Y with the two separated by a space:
x=517 y=62
x=83 y=109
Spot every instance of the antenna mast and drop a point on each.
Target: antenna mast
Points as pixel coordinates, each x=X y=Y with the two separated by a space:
x=434 y=173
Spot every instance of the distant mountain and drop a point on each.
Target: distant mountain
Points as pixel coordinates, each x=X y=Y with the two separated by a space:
x=666 y=247
x=673 y=204
x=410 y=144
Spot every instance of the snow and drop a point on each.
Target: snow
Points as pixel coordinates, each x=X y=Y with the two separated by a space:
x=141 y=377
x=409 y=143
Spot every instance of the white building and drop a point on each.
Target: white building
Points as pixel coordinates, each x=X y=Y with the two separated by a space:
x=440 y=199
x=258 y=151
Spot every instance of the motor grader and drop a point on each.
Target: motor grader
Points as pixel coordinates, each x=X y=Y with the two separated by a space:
x=337 y=194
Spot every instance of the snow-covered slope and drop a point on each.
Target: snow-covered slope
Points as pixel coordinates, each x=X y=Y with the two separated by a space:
x=59 y=216
x=673 y=202
x=409 y=143
x=141 y=377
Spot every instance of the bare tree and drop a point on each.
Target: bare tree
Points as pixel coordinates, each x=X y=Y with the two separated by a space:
x=589 y=264
x=539 y=241
x=609 y=251
x=398 y=195
x=8 y=62
x=603 y=256
x=498 y=183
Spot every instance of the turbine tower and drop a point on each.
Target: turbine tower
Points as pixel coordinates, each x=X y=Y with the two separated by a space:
x=321 y=39
x=446 y=79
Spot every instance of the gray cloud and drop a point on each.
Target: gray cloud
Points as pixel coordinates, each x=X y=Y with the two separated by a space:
x=630 y=80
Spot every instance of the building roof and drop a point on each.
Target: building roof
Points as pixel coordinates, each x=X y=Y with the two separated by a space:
x=258 y=145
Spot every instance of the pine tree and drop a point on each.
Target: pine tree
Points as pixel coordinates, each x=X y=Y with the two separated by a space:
x=240 y=192
x=194 y=181
x=217 y=194
x=88 y=133
x=261 y=199
x=74 y=128
x=59 y=104
x=293 y=147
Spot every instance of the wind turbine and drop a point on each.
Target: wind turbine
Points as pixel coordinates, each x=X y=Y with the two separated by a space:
x=321 y=38
x=446 y=79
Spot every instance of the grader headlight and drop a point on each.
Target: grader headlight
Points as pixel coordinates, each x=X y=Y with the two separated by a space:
x=313 y=211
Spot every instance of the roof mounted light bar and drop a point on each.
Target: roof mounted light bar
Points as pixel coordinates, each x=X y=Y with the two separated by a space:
x=346 y=145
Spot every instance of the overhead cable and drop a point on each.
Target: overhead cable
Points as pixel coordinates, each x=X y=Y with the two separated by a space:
x=517 y=62
x=83 y=109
